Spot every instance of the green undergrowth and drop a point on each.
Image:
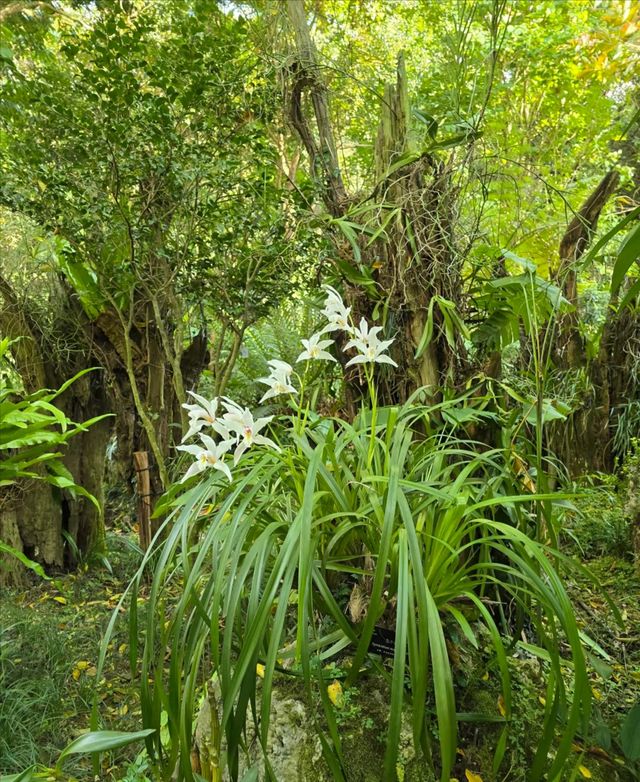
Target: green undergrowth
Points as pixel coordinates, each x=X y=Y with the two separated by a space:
x=614 y=672
x=50 y=635
x=50 y=632
x=600 y=525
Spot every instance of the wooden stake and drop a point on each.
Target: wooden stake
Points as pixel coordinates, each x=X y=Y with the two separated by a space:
x=143 y=485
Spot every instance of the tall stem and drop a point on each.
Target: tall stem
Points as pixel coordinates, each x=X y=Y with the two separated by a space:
x=374 y=412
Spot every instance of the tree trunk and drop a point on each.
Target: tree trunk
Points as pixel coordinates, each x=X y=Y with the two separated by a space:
x=570 y=348
x=417 y=261
x=413 y=259
x=85 y=459
x=583 y=441
x=35 y=513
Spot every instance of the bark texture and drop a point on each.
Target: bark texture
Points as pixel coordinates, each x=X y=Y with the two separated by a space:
x=586 y=442
x=135 y=381
x=413 y=259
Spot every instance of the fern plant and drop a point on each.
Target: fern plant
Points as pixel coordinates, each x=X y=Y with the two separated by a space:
x=277 y=335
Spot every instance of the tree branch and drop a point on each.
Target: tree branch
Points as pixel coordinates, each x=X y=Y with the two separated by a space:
x=306 y=75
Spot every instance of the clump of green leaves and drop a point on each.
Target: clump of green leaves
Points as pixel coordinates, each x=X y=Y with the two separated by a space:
x=34 y=432
x=598 y=525
x=430 y=521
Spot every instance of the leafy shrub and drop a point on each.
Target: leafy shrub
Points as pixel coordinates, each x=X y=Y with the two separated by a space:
x=34 y=431
x=599 y=526
x=607 y=508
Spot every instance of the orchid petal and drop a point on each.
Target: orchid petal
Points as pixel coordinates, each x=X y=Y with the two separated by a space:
x=195 y=468
x=260 y=439
x=194 y=450
x=383 y=359
x=211 y=446
x=223 y=468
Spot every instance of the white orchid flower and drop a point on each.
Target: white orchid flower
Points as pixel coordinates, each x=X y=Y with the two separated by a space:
x=279 y=381
x=333 y=302
x=232 y=408
x=315 y=349
x=247 y=430
x=336 y=312
x=370 y=348
x=211 y=455
x=203 y=414
x=280 y=366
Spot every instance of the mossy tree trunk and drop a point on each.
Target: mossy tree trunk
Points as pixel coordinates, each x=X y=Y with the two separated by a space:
x=34 y=514
x=413 y=260
x=417 y=260
x=134 y=381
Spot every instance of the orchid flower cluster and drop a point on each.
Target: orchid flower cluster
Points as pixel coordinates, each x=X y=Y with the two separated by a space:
x=236 y=427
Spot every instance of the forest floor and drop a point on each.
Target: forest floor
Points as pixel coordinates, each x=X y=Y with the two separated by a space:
x=50 y=634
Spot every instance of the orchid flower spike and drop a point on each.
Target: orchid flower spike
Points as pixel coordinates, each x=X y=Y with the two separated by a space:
x=203 y=414
x=336 y=312
x=247 y=430
x=279 y=381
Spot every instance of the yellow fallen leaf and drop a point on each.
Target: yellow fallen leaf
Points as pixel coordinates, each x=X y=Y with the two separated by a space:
x=585 y=772
x=485 y=676
x=336 y=696
x=543 y=701
x=82 y=665
x=76 y=674
x=61 y=600
x=472 y=776
x=260 y=670
x=92 y=671
x=501 y=707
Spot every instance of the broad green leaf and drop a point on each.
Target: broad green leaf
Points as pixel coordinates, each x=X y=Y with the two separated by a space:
x=627 y=256
x=102 y=741
x=630 y=734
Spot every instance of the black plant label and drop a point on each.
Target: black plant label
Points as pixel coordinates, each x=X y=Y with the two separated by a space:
x=383 y=642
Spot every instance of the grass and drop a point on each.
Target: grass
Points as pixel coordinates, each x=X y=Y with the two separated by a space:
x=33 y=681
x=49 y=639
